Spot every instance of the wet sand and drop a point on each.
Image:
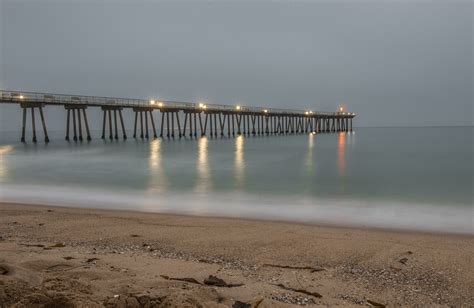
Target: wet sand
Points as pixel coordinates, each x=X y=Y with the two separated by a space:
x=93 y=258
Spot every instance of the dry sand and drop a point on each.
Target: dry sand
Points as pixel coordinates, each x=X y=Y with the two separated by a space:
x=122 y=259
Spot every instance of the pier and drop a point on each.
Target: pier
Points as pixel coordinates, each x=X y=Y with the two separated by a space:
x=175 y=119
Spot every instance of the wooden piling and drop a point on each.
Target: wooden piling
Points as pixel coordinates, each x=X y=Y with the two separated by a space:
x=103 y=123
x=74 y=137
x=23 y=126
x=79 y=123
x=153 y=124
x=233 y=124
x=205 y=125
x=257 y=124
x=33 y=123
x=179 y=125
x=185 y=122
x=111 y=135
x=221 y=125
x=249 y=123
x=45 y=132
x=146 y=125
x=141 y=125
x=124 y=132
x=215 y=124
x=163 y=123
x=172 y=125
x=190 y=126
x=266 y=125
x=89 y=138
x=211 y=133
x=135 y=125
x=67 y=124
x=195 y=124
x=168 y=125
x=200 y=124
x=239 y=120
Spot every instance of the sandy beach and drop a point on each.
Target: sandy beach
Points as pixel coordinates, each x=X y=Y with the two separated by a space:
x=65 y=257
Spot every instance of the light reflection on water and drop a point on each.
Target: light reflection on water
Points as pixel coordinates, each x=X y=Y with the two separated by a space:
x=239 y=162
x=158 y=179
x=203 y=179
x=309 y=153
x=341 y=161
x=4 y=150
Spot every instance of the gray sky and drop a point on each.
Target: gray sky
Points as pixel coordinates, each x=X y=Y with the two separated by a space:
x=394 y=63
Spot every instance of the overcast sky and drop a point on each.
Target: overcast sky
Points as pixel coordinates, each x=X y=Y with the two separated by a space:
x=394 y=63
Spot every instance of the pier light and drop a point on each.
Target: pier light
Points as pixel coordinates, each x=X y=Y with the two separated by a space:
x=238 y=107
x=152 y=102
x=265 y=110
x=21 y=97
x=341 y=109
x=201 y=105
x=204 y=107
x=306 y=112
x=160 y=104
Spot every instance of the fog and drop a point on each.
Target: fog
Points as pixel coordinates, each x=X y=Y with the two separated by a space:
x=394 y=63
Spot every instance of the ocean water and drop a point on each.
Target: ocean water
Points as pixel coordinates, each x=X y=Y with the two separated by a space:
x=403 y=178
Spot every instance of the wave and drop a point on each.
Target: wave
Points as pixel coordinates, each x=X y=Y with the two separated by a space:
x=358 y=213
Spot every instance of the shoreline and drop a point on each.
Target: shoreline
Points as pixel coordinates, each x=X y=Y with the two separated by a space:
x=249 y=219
x=77 y=256
x=385 y=214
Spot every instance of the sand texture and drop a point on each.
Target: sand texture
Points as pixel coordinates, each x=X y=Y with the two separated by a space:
x=64 y=257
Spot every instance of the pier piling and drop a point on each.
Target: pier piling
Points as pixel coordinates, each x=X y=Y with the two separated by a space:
x=32 y=106
x=113 y=119
x=33 y=123
x=79 y=115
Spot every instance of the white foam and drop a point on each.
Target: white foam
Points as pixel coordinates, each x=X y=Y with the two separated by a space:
x=424 y=217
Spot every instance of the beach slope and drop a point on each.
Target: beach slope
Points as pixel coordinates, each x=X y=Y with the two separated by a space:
x=79 y=257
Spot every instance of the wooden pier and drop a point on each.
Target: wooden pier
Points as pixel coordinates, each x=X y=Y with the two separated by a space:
x=200 y=119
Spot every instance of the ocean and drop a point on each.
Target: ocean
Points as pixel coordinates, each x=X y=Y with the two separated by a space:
x=401 y=178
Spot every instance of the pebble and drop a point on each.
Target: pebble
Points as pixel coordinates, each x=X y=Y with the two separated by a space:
x=295 y=300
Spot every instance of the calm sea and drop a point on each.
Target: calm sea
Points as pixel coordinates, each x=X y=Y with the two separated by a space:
x=407 y=178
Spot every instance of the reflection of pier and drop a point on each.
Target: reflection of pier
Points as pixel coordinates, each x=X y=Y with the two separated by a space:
x=203 y=182
x=158 y=178
x=341 y=161
x=4 y=149
x=239 y=163
x=200 y=119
